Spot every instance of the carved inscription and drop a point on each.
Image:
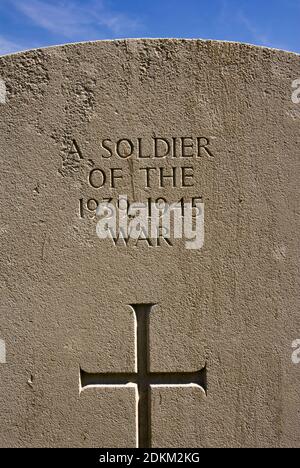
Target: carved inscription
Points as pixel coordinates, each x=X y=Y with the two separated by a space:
x=160 y=163
x=159 y=148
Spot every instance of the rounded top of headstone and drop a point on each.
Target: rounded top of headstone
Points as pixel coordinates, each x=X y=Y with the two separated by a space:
x=167 y=42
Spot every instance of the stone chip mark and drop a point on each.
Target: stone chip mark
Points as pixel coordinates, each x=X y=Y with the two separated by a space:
x=27 y=76
x=3 y=92
x=2 y=352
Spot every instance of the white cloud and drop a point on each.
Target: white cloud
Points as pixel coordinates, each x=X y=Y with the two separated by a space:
x=262 y=38
x=69 y=19
x=8 y=47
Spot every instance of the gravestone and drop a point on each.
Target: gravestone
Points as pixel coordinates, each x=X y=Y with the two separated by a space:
x=110 y=339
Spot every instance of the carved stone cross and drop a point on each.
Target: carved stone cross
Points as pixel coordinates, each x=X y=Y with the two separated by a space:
x=143 y=378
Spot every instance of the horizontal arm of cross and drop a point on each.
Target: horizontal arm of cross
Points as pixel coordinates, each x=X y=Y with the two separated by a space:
x=165 y=379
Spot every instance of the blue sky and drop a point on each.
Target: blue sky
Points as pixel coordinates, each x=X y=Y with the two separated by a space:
x=26 y=24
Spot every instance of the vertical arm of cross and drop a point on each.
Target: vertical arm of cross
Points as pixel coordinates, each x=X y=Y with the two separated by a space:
x=142 y=314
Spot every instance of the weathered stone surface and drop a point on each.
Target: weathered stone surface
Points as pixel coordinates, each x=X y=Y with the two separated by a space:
x=66 y=295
